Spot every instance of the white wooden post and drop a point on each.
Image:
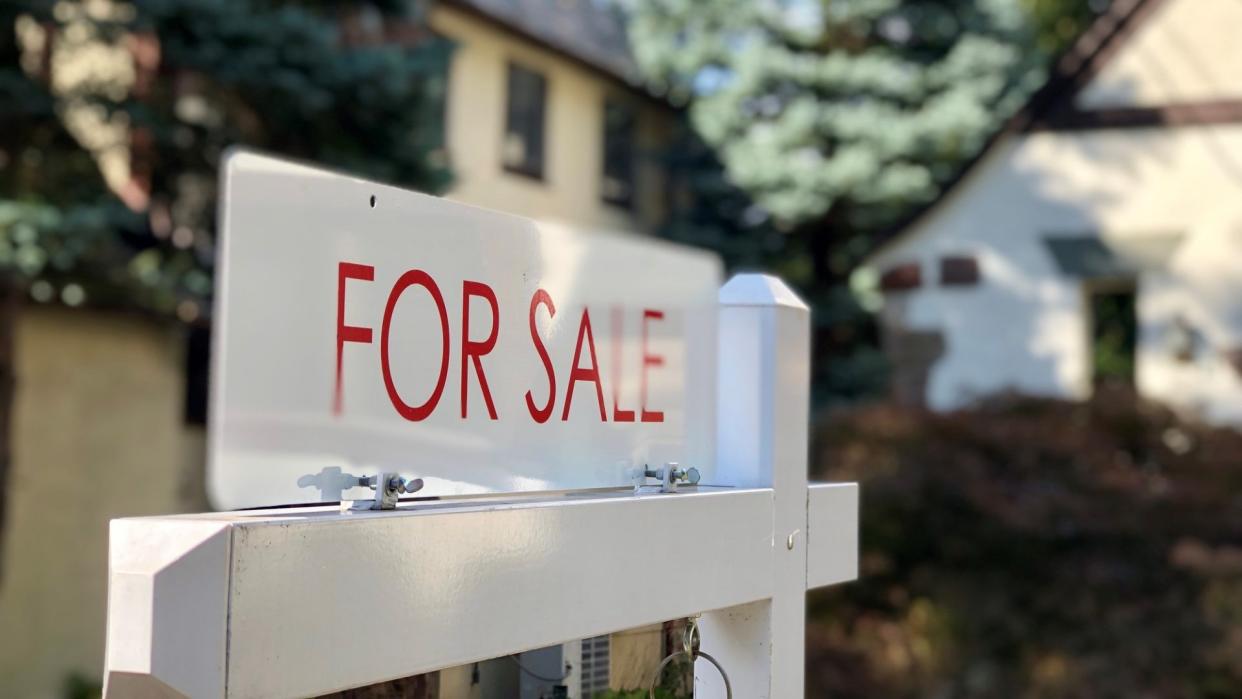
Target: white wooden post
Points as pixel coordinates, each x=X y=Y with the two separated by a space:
x=764 y=394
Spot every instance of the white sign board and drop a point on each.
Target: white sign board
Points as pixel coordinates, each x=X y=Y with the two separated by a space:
x=362 y=328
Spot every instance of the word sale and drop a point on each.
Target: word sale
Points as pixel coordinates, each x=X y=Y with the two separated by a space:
x=540 y=400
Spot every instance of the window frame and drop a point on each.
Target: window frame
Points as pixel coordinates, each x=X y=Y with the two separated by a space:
x=534 y=168
x=629 y=178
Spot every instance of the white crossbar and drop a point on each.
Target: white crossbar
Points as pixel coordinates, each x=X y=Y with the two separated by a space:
x=298 y=603
x=832 y=534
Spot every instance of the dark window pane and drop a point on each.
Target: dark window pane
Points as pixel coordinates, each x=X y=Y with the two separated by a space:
x=1114 y=334
x=959 y=270
x=197 y=365
x=522 y=150
x=618 y=184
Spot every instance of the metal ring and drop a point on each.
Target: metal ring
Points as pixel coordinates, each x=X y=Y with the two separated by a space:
x=690 y=637
x=694 y=656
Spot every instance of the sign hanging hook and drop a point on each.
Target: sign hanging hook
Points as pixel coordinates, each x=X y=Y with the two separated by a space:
x=690 y=649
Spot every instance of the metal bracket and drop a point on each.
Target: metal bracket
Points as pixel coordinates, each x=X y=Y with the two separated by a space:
x=388 y=487
x=670 y=476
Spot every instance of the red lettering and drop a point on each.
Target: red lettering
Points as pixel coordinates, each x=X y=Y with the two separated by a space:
x=473 y=350
x=618 y=415
x=347 y=333
x=579 y=374
x=649 y=360
x=411 y=278
x=541 y=415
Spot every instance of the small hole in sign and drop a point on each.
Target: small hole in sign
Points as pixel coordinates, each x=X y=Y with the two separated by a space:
x=372 y=201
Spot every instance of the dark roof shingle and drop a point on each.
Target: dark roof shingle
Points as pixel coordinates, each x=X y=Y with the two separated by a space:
x=591 y=31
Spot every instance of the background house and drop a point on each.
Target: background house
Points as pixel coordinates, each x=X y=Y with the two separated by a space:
x=1098 y=237
x=545 y=117
x=541 y=118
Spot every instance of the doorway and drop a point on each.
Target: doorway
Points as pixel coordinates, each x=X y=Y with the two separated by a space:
x=1114 y=332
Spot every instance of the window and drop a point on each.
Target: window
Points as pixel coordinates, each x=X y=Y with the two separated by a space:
x=959 y=270
x=618 y=184
x=1114 y=330
x=522 y=150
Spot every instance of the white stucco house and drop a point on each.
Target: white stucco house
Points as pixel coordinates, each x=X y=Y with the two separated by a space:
x=1098 y=235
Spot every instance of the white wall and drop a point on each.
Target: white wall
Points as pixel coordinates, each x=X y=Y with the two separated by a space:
x=570 y=191
x=1024 y=326
x=97 y=433
x=1187 y=51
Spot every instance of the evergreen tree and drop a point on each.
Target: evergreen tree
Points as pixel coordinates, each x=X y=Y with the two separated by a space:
x=835 y=118
x=151 y=94
x=843 y=105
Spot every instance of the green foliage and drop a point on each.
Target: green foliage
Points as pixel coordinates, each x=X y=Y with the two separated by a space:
x=676 y=682
x=39 y=161
x=711 y=212
x=1034 y=548
x=315 y=80
x=282 y=76
x=1058 y=22
x=866 y=105
x=78 y=686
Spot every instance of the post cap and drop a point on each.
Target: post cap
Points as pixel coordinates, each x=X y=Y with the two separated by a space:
x=759 y=290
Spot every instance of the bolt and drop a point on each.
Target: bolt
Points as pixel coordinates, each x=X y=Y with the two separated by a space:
x=398 y=484
x=689 y=475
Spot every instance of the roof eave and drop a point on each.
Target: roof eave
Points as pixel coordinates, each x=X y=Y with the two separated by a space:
x=631 y=84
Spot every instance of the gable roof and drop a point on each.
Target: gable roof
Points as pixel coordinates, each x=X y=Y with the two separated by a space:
x=1049 y=106
x=1084 y=59
x=591 y=32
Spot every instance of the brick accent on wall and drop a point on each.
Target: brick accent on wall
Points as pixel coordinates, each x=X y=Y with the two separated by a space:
x=902 y=277
x=959 y=270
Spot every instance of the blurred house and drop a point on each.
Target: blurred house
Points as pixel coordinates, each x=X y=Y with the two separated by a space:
x=1098 y=237
x=543 y=119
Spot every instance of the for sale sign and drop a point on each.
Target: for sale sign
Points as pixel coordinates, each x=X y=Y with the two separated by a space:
x=362 y=328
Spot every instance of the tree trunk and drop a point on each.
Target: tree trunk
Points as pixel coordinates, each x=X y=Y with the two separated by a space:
x=10 y=302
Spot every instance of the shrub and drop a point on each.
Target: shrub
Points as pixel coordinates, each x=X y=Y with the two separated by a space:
x=1034 y=548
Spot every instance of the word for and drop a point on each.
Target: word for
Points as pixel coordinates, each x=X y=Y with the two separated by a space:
x=474 y=350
